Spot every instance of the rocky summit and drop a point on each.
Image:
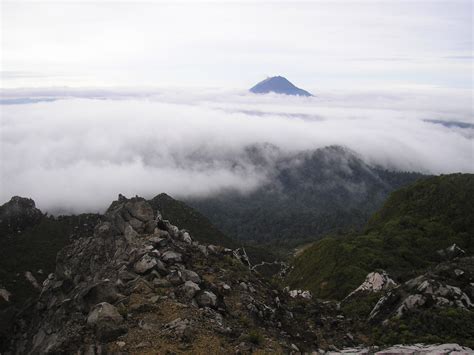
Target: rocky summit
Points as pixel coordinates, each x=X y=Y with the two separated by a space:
x=140 y=285
x=17 y=214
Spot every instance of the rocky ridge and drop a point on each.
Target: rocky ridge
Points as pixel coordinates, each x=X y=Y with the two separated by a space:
x=140 y=284
x=449 y=284
x=17 y=214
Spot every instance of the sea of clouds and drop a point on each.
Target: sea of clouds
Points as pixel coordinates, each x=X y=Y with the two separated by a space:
x=74 y=150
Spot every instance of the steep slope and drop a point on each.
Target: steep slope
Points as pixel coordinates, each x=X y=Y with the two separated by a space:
x=307 y=195
x=402 y=238
x=188 y=218
x=139 y=284
x=204 y=231
x=279 y=85
x=17 y=215
x=30 y=241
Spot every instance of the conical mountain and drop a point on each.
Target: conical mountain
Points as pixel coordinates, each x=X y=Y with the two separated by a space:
x=279 y=85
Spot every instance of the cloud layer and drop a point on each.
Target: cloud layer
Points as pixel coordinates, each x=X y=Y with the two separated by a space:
x=78 y=152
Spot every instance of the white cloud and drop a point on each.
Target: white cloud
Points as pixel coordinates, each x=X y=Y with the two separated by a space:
x=78 y=153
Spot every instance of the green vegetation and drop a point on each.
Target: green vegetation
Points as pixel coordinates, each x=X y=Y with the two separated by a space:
x=35 y=249
x=255 y=337
x=202 y=229
x=402 y=238
x=448 y=325
x=329 y=190
x=188 y=218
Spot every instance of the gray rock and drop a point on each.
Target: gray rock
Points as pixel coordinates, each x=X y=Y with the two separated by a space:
x=158 y=242
x=190 y=289
x=185 y=237
x=106 y=321
x=189 y=275
x=175 y=277
x=129 y=233
x=104 y=312
x=145 y=264
x=181 y=328
x=171 y=257
x=206 y=299
x=140 y=210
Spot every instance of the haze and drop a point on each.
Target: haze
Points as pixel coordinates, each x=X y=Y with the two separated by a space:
x=101 y=98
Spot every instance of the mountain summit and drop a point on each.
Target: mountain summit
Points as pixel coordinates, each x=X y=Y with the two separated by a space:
x=279 y=85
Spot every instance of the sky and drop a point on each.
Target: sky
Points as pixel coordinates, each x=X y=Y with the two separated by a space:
x=316 y=44
x=100 y=98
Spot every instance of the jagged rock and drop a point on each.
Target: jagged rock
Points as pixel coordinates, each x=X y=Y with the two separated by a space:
x=145 y=264
x=126 y=276
x=5 y=294
x=451 y=252
x=300 y=293
x=18 y=214
x=181 y=328
x=141 y=210
x=206 y=299
x=158 y=242
x=426 y=349
x=175 y=277
x=375 y=282
x=428 y=290
x=135 y=212
x=129 y=232
x=104 y=312
x=29 y=276
x=106 y=321
x=189 y=275
x=171 y=257
x=410 y=303
x=190 y=289
x=95 y=293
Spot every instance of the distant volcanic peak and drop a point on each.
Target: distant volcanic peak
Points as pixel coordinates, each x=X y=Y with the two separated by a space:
x=279 y=85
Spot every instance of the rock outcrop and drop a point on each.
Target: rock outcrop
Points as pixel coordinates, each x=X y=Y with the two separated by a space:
x=374 y=282
x=141 y=284
x=18 y=214
x=449 y=284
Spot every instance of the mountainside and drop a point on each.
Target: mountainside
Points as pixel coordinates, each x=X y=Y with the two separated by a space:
x=136 y=283
x=30 y=241
x=188 y=218
x=403 y=238
x=307 y=195
x=203 y=230
x=139 y=284
x=416 y=256
x=278 y=85
x=18 y=214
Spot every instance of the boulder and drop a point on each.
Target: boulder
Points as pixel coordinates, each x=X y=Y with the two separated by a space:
x=171 y=257
x=190 y=289
x=104 y=312
x=189 y=275
x=375 y=282
x=5 y=294
x=140 y=210
x=106 y=321
x=145 y=264
x=206 y=299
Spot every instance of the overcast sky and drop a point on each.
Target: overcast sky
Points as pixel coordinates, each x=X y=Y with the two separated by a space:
x=339 y=44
